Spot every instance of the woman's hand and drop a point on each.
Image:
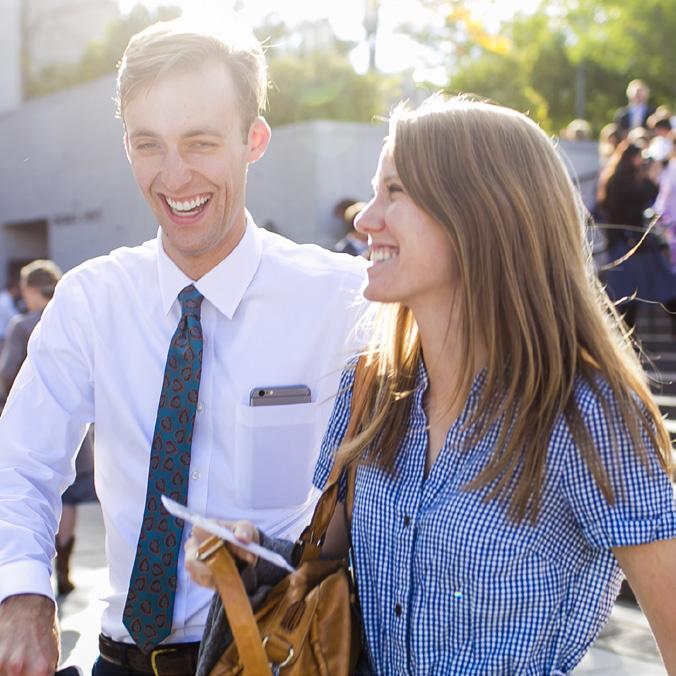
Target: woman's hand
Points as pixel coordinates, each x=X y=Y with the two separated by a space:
x=200 y=573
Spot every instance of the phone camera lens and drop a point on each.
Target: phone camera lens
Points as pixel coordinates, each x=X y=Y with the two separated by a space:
x=261 y=393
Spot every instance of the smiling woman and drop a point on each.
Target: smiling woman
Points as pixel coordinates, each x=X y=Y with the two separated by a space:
x=510 y=460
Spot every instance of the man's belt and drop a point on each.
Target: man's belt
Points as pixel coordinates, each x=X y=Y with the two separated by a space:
x=178 y=659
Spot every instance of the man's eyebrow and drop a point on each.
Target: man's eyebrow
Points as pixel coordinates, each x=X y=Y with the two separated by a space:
x=205 y=131
x=141 y=132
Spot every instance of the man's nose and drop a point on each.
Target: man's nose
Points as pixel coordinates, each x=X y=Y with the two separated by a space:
x=175 y=173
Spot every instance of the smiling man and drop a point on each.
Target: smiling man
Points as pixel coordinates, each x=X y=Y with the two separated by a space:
x=169 y=348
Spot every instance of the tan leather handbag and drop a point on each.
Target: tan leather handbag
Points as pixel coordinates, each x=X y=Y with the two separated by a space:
x=309 y=622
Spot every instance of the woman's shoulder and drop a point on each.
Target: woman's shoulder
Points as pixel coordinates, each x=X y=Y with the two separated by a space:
x=598 y=405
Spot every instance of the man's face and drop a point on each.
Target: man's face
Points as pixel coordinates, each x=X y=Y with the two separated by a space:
x=639 y=94
x=31 y=296
x=186 y=145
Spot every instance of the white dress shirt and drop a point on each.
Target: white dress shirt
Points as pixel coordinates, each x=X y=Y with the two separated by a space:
x=274 y=313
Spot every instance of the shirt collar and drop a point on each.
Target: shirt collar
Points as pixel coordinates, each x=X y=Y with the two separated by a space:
x=224 y=285
x=473 y=398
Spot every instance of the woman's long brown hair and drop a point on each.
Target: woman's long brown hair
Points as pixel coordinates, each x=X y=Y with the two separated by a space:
x=528 y=292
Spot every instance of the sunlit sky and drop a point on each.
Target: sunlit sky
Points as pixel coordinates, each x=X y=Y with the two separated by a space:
x=394 y=51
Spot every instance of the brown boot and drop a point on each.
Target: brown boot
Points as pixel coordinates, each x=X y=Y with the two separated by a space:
x=63 y=552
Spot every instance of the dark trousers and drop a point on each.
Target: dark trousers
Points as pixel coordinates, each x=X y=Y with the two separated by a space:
x=105 y=668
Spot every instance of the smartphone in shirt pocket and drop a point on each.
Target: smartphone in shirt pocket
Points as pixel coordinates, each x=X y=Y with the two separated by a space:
x=277 y=440
x=279 y=396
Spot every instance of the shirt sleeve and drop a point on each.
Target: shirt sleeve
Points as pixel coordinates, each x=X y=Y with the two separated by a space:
x=41 y=428
x=335 y=432
x=644 y=509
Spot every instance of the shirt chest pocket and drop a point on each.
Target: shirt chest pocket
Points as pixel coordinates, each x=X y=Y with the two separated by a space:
x=276 y=450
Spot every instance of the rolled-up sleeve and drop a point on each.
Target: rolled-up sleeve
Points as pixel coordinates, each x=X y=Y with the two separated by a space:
x=42 y=426
x=644 y=508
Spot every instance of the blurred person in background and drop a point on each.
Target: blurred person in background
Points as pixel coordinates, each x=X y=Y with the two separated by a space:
x=577 y=130
x=662 y=144
x=638 y=109
x=354 y=243
x=627 y=187
x=36 y=283
x=609 y=138
x=8 y=307
x=639 y=136
x=665 y=204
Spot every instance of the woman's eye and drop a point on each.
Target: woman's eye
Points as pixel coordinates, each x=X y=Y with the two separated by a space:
x=393 y=187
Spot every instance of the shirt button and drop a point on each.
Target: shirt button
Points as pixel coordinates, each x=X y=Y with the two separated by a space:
x=200 y=407
x=397 y=610
x=196 y=475
x=407 y=521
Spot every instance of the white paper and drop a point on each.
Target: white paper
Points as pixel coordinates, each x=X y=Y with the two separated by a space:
x=213 y=527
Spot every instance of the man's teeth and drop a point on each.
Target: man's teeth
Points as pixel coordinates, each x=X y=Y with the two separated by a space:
x=378 y=255
x=189 y=205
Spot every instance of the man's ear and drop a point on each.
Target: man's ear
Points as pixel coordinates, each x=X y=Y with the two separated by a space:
x=258 y=139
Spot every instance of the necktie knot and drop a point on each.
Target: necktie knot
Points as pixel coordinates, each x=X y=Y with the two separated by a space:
x=191 y=301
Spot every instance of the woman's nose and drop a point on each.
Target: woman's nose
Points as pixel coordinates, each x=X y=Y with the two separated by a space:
x=370 y=219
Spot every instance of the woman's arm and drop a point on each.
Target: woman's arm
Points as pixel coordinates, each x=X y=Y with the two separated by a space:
x=651 y=572
x=335 y=546
x=337 y=542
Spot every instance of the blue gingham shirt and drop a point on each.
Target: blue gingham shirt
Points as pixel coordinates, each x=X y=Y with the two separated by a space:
x=449 y=585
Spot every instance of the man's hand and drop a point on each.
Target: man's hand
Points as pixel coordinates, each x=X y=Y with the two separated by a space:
x=29 y=636
x=200 y=573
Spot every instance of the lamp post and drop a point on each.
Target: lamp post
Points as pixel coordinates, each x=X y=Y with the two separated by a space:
x=371 y=8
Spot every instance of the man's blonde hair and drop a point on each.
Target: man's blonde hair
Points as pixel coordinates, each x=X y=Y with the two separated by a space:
x=179 y=46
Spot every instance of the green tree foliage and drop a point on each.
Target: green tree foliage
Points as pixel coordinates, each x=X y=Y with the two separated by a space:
x=101 y=56
x=324 y=85
x=309 y=82
x=613 y=41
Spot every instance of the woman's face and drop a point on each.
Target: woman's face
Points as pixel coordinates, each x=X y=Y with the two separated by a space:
x=411 y=254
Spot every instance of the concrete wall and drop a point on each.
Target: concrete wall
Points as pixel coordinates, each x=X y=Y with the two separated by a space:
x=307 y=169
x=10 y=55
x=63 y=163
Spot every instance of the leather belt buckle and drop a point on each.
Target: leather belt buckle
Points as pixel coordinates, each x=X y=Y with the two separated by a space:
x=157 y=652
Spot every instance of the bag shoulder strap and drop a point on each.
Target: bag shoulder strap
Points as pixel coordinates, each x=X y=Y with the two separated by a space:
x=309 y=543
x=236 y=605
